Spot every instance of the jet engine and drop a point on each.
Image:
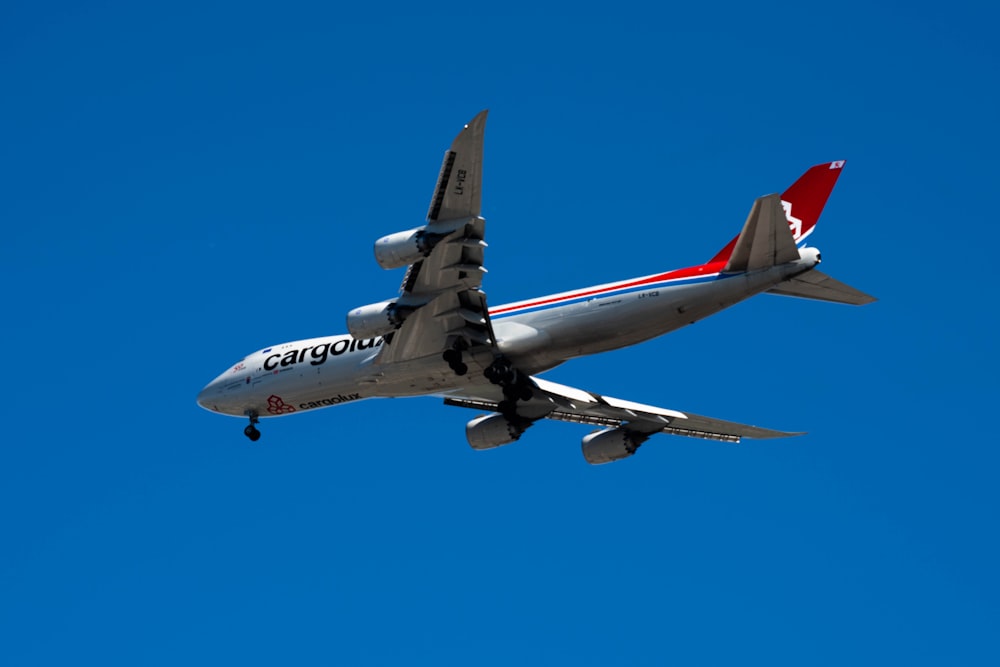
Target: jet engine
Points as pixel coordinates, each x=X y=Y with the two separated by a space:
x=611 y=444
x=403 y=248
x=376 y=319
x=491 y=431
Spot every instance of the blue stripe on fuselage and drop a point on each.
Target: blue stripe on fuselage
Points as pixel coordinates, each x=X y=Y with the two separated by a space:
x=623 y=291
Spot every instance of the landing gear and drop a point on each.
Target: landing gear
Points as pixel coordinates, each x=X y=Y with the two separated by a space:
x=454 y=358
x=518 y=392
x=515 y=384
x=500 y=371
x=251 y=430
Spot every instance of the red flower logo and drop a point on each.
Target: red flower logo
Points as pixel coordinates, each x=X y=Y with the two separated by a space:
x=276 y=406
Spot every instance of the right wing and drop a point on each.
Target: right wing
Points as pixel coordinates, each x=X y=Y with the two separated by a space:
x=555 y=401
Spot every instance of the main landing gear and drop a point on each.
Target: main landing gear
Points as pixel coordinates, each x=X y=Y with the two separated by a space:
x=251 y=430
x=516 y=385
x=454 y=358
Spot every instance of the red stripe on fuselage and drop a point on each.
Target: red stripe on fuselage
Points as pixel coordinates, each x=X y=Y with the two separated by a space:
x=677 y=274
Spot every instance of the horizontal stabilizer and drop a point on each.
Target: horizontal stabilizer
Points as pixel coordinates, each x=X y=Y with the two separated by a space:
x=817 y=285
x=766 y=239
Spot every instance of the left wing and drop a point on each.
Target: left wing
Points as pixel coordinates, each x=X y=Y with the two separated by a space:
x=555 y=401
x=440 y=301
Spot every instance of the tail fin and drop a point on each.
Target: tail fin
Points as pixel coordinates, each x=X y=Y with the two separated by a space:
x=802 y=202
x=765 y=240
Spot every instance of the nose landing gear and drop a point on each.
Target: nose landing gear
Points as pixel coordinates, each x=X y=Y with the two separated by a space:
x=251 y=430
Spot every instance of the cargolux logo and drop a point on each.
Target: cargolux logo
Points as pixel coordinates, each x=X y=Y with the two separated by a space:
x=333 y=400
x=320 y=353
x=795 y=224
x=276 y=406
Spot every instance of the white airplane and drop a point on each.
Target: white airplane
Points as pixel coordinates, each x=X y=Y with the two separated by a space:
x=439 y=338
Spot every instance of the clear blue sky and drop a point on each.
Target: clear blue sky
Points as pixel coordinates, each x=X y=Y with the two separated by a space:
x=184 y=183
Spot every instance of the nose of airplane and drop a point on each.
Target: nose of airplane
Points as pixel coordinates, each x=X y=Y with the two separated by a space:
x=211 y=397
x=226 y=393
x=204 y=396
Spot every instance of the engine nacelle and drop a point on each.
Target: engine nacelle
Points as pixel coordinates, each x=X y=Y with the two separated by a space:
x=610 y=445
x=403 y=248
x=491 y=431
x=374 y=320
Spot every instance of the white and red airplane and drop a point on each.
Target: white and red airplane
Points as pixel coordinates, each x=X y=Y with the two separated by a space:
x=439 y=338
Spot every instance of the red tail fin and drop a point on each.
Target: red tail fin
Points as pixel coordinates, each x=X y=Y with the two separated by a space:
x=803 y=202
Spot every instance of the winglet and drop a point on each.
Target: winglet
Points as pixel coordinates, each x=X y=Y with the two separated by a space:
x=802 y=202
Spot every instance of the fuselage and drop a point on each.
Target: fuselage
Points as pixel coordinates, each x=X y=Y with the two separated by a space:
x=536 y=335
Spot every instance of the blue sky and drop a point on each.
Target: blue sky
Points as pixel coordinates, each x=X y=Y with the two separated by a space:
x=186 y=183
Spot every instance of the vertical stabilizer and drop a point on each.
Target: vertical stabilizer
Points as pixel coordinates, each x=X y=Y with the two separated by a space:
x=802 y=203
x=766 y=239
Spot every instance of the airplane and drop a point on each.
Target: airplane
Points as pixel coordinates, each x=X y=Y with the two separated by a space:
x=439 y=337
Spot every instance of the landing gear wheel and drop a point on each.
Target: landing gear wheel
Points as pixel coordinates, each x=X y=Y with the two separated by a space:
x=516 y=385
x=454 y=358
x=251 y=430
x=500 y=372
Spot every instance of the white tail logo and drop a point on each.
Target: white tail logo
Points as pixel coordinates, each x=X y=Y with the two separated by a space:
x=795 y=224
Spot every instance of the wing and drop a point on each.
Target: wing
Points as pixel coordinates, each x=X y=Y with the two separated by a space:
x=440 y=296
x=559 y=402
